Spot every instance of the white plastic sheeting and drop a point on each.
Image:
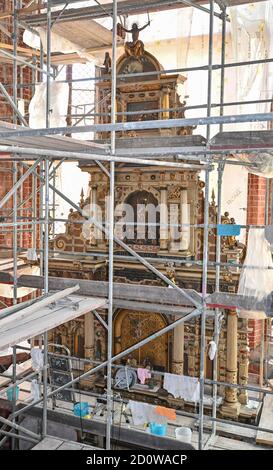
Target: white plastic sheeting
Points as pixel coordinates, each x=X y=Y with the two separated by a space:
x=262 y=164
x=35 y=390
x=252 y=28
x=212 y=350
x=59 y=93
x=37 y=358
x=256 y=281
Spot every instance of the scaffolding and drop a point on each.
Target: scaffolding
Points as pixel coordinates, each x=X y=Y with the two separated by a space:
x=46 y=161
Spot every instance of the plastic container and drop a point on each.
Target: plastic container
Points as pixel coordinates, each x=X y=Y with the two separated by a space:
x=81 y=409
x=158 y=429
x=183 y=434
x=9 y=393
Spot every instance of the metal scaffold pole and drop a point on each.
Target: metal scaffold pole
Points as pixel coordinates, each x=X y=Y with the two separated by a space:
x=217 y=289
x=204 y=310
x=223 y=59
x=111 y=155
x=111 y=210
x=210 y=63
x=46 y=217
x=205 y=244
x=15 y=274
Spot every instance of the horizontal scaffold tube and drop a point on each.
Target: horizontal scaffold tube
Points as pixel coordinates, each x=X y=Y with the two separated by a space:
x=140 y=125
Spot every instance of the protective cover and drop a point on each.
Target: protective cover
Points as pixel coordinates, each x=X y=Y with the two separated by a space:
x=262 y=164
x=35 y=390
x=256 y=278
x=59 y=93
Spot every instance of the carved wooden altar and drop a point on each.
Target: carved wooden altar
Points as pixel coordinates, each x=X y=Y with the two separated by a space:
x=181 y=190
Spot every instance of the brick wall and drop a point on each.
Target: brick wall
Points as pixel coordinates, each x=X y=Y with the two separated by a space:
x=6 y=70
x=24 y=239
x=256 y=206
x=24 y=194
x=6 y=177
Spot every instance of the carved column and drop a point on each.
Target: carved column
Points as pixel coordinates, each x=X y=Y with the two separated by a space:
x=104 y=237
x=178 y=349
x=89 y=345
x=184 y=219
x=222 y=363
x=231 y=406
x=164 y=231
x=94 y=214
x=243 y=373
x=166 y=102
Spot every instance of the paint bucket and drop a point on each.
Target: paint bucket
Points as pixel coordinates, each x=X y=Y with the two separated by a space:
x=158 y=429
x=81 y=409
x=183 y=434
x=9 y=393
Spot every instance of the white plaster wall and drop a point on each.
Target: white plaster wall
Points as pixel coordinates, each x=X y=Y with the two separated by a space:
x=186 y=52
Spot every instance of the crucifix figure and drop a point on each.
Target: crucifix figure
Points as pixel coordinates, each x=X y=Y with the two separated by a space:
x=135 y=47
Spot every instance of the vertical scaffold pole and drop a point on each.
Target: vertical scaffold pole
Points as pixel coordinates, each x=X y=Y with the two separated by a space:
x=15 y=274
x=111 y=209
x=223 y=60
x=205 y=242
x=46 y=216
x=210 y=62
x=217 y=289
x=203 y=316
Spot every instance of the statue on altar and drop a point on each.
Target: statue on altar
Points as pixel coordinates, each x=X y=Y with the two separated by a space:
x=135 y=48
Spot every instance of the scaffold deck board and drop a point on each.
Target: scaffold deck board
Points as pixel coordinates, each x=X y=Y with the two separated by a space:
x=266 y=421
x=55 y=142
x=125 y=7
x=53 y=443
x=233 y=301
x=225 y=443
x=242 y=139
x=45 y=318
x=134 y=292
x=87 y=34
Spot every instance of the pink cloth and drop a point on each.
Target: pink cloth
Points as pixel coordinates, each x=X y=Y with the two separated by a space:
x=143 y=374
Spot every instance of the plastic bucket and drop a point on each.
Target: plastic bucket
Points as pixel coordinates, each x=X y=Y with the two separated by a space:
x=183 y=434
x=9 y=393
x=158 y=429
x=81 y=409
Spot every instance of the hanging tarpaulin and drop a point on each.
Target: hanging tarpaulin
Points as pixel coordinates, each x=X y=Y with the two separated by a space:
x=59 y=93
x=256 y=279
x=252 y=28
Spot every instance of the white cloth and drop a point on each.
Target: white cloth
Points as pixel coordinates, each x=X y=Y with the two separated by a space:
x=32 y=254
x=37 y=358
x=35 y=390
x=182 y=386
x=59 y=94
x=143 y=413
x=257 y=282
x=212 y=350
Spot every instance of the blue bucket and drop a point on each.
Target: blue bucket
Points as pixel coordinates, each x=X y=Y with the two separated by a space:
x=9 y=393
x=158 y=429
x=81 y=409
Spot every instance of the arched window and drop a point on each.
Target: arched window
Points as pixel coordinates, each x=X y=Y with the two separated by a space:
x=142 y=221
